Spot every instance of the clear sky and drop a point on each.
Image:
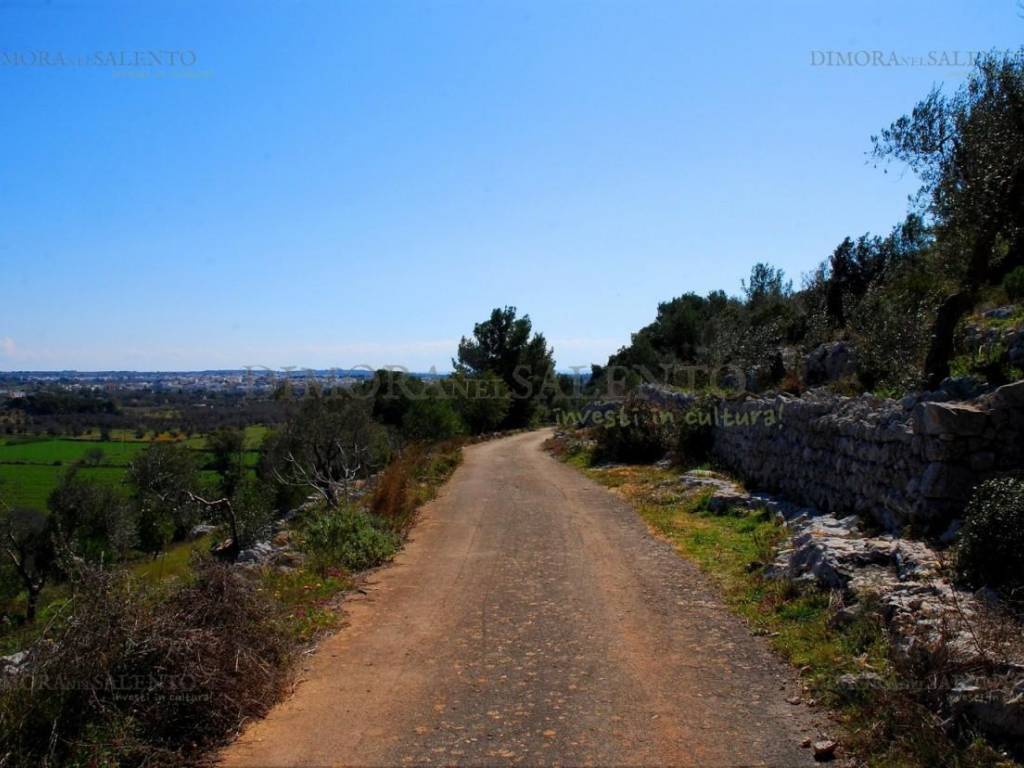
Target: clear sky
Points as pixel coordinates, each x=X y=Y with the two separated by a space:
x=335 y=183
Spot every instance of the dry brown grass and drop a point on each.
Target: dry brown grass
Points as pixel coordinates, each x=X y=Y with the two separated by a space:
x=125 y=675
x=410 y=480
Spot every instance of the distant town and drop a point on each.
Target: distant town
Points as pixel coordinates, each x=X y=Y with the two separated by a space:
x=252 y=380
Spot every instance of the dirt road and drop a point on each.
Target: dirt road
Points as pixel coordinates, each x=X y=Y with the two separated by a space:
x=533 y=619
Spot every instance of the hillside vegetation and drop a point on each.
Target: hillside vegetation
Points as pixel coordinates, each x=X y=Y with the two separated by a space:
x=897 y=301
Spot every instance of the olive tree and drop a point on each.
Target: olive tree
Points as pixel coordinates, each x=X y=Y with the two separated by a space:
x=968 y=150
x=161 y=478
x=328 y=444
x=26 y=537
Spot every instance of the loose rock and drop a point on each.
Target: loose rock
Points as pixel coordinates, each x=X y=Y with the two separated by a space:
x=824 y=750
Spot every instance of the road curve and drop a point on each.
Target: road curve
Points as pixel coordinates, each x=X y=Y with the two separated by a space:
x=533 y=619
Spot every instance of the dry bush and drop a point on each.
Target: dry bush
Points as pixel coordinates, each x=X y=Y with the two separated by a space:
x=392 y=498
x=410 y=479
x=127 y=676
x=792 y=383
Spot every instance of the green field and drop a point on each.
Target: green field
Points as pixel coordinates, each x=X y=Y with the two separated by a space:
x=28 y=485
x=54 y=450
x=254 y=437
x=31 y=467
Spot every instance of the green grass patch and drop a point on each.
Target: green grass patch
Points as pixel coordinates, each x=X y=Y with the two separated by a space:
x=67 y=451
x=310 y=599
x=29 y=485
x=173 y=563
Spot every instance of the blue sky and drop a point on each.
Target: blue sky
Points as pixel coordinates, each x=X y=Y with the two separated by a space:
x=339 y=183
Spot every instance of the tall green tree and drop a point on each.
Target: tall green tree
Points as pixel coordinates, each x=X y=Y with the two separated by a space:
x=503 y=345
x=432 y=418
x=767 y=284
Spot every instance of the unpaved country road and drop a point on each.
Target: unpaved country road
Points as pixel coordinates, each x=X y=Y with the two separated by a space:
x=532 y=619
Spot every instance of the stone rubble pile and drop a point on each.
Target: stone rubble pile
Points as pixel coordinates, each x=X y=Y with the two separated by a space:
x=830 y=362
x=928 y=618
x=279 y=551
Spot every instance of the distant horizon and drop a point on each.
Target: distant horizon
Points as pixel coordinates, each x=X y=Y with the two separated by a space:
x=351 y=371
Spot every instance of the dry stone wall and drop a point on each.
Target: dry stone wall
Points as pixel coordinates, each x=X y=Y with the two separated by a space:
x=901 y=463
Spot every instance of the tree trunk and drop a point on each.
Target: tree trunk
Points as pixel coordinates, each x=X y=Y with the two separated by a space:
x=936 y=367
x=32 y=603
x=331 y=494
x=236 y=546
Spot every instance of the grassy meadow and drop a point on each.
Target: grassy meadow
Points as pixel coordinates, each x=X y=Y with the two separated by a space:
x=31 y=466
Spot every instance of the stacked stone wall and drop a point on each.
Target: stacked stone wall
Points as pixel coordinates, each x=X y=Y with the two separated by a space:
x=910 y=463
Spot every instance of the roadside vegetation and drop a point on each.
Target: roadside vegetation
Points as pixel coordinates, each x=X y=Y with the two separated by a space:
x=154 y=662
x=990 y=549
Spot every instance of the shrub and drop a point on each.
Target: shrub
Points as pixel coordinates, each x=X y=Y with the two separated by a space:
x=892 y=329
x=1013 y=283
x=693 y=442
x=990 y=551
x=326 y=444
x=482 y=402
x=638 y=433
x=432 y=419
x=441 y=462
x=160 y=478
x=251 y=511
x=127 y=676
x=349 y=538
x=411 y=479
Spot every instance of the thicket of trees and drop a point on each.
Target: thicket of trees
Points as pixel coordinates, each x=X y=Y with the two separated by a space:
x=502 y=347
x=504 y=378
x=968 y=150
